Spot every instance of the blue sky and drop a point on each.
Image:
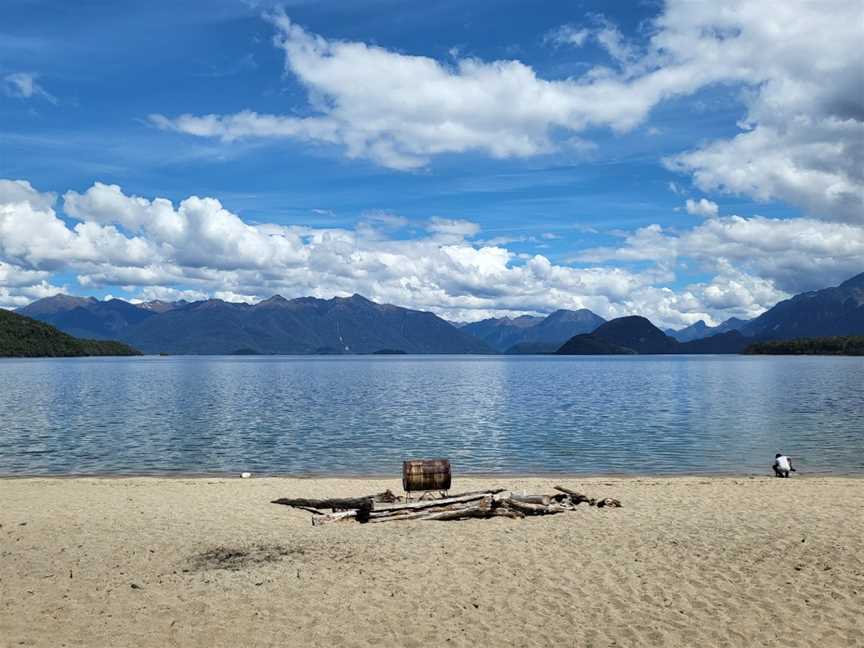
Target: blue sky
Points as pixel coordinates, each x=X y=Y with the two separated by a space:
x=96 y=92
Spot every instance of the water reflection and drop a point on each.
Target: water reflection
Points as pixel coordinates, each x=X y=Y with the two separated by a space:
x=363 y=415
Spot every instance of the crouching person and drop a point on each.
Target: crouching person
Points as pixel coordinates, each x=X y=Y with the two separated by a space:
x=782 y=465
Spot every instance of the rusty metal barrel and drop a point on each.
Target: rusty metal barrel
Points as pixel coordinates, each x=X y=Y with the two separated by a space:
x=426 y=475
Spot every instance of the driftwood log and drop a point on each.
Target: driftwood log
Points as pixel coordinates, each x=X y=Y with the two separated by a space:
x=387 y=507
x=337 y=503
x=575 y=498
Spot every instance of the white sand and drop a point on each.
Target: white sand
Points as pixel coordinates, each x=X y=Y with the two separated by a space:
x=686 y=562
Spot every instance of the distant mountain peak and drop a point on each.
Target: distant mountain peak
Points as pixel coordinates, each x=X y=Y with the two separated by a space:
x=160 y=306
x=56 y=304
x=854 y=282
x=275 y=300
x=700 y=330
x=817 y=313
x=529 y=333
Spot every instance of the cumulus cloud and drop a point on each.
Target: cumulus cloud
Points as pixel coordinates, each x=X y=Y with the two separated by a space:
x=19 y=286
x=23 y=85
x=155 y=249
x=735 y=294
x=400 y=110
x=801 y=138
x=817 y=164
x=795 y=254
x=21 y=191
x=701 y=207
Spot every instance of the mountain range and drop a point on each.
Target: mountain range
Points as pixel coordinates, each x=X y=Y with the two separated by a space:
x=355 y=324
x=635 y=334
x=826 y=312
x=529 y=334
x=835 y=311
x=274 y=326
x=700 y=329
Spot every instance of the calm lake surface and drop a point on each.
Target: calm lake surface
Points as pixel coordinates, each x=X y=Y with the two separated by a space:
x=364 y=415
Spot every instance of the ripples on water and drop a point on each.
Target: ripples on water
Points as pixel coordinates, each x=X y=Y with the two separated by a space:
x=364 y=415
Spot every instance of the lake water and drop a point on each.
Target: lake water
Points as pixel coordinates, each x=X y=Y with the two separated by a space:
x=364 y=415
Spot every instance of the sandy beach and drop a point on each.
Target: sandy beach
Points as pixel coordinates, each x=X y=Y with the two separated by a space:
x=209 y=562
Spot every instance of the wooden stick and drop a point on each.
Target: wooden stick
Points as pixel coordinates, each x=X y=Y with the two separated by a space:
x=503 y=511
x=535 y=509
x=431 y=503
x=313 y=511
x=452 y=512
x=431 y=509
x=342 y=503
x=544 y=500
x=481 y=509
x=385 y=516
x=318 y=520
x=490 y=491
x=575 y=496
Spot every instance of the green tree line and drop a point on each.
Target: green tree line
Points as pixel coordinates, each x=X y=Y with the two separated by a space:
x=838 y=345
x=22 y=337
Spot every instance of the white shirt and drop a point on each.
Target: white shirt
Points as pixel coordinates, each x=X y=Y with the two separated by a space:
x=782 y=462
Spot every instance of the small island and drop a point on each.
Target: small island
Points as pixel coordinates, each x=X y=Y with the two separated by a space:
x=850 y=345
x=22 y=337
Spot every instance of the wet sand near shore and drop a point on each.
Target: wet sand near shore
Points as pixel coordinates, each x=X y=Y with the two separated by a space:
x=208 y=561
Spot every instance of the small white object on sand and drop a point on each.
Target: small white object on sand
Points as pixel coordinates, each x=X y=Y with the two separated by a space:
x=246 y=475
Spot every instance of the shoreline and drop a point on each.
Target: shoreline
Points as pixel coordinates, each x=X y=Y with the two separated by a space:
x=354 y=477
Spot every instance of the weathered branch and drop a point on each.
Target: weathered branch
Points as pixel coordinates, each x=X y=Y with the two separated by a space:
x=534 y=509
x=575 y=496
x=503 y=511
x=488 y=491
x=337 y=503
x=481 y=509
x=544 y=500
x=406 y=506
x=326 y=518
x=409 y=514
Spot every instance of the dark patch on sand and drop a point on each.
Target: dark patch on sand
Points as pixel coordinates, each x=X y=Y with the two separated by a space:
x=241 y=557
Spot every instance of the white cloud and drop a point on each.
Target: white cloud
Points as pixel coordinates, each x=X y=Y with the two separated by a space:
x=817 y=164
x=737 y=294
x=615 y=44
x=19 y=286
x=702 y=207
x=400 y=110
x=21 y=191
x=795 y=254
x=567 y=35
x=158 y=250
x=23 y=85
x=453 y=230
x=801 y=139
